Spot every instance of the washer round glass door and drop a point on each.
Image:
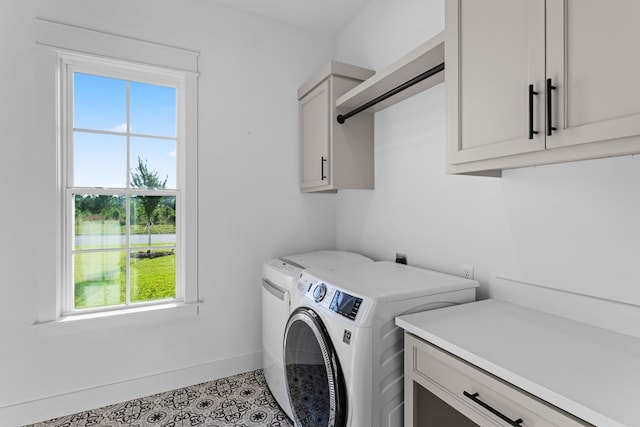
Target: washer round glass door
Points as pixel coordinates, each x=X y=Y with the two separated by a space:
x=315 y=383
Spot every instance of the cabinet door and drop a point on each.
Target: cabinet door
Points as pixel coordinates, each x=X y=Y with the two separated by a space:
x=315 y=137
x=494 y=51
x=593 y=60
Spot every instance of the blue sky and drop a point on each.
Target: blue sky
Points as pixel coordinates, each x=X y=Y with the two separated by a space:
x=100 y=103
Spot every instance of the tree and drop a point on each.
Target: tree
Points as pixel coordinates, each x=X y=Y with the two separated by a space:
x=142 y=177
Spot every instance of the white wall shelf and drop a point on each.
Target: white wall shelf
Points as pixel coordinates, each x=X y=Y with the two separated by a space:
x=416 y=62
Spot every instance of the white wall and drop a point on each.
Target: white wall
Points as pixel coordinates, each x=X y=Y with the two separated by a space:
x=574 y=226
x=250 y=208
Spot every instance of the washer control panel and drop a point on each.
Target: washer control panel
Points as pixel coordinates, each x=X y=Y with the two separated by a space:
x=329 y=297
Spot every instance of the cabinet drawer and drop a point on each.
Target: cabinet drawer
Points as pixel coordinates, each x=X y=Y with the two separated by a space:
x=472 y=391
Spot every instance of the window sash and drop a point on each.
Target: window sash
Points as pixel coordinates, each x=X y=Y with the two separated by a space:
x=69 y=288
x=74 y=63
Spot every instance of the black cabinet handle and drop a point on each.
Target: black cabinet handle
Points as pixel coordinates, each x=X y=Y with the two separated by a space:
x=550 y=127
x=531 y=94
x=322 y=161
x=475 y=398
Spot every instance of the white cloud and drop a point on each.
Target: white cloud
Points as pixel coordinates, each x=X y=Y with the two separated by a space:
x=119 y=128
x=172 y=153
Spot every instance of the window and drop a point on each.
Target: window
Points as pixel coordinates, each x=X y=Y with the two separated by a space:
x=122 y=114
x=123 y=192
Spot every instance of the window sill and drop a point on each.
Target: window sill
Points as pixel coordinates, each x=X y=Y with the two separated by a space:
x=117 y=318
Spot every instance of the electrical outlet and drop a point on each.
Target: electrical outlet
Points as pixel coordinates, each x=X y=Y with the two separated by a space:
x=467 y=272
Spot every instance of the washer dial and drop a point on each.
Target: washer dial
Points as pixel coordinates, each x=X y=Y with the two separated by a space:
x=319 y=292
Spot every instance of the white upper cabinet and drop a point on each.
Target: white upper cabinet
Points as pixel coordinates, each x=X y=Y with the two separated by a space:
x=315 y=108
x=592 y=54
x=500 y=53
x=334 y=156
x=532 y=82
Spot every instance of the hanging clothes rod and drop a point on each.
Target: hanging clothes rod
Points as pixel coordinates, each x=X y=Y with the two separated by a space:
x=435 y=70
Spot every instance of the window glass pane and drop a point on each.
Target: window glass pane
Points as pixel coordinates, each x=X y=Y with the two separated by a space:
x=99 y=279
x=153 y=109
x=99 y=103
x=99 y=160
x=154 y=161
x=99 y=221
x=153 y=220
x=153 y=274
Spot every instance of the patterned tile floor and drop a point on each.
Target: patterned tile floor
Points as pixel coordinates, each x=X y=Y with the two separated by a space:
x=238 y=401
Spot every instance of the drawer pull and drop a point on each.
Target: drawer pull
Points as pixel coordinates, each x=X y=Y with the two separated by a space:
x=475 y=398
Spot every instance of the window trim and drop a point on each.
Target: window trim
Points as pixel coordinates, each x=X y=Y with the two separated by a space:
x=62 y=44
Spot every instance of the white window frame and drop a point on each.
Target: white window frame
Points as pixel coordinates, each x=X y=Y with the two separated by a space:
x=74 y=63
x=67 y=49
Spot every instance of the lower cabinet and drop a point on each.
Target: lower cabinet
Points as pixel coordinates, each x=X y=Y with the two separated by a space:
x=443 y=390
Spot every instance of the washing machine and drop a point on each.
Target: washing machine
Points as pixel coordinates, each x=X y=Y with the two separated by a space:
x=280 y=276
x=343 y=353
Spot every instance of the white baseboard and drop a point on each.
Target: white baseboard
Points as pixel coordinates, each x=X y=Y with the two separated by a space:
x=96 y=397
x=615 y=316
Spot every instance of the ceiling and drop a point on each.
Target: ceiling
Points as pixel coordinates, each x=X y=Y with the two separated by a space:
x=324 y=16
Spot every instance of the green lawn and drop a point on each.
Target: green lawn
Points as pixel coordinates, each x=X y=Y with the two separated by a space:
x=100 y=279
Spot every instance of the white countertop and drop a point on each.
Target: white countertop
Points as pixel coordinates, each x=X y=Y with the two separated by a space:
x=590 y=372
